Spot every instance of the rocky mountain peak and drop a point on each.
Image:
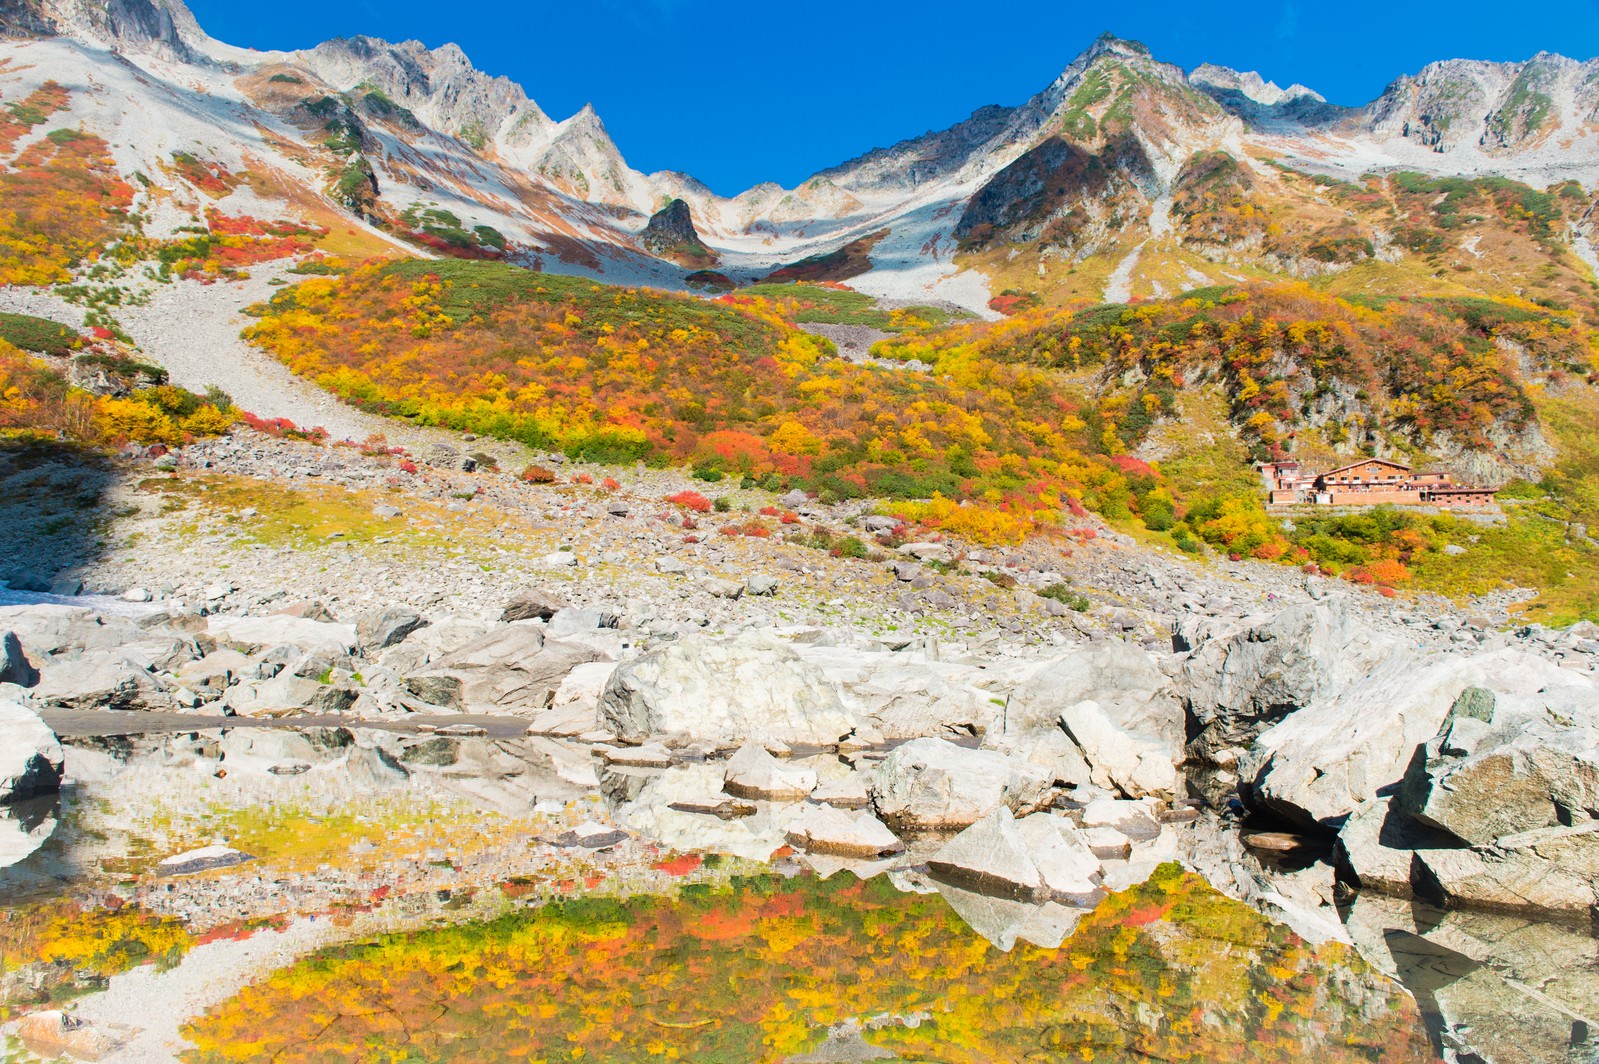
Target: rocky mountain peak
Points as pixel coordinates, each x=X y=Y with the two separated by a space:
x=1266 y=93
x=164 y=27
x=24 y=18
x=1261 y=103
x=439 y=85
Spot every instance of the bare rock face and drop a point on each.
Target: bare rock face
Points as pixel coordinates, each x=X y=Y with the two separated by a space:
x=752 y=687
x=933 y=784
x=670 y=234
x=1503 y=769
x=1500 y=808
x=1239 y=682
x=30 y=757
x=510 y=670
x=1116 y=707
x=384 y=628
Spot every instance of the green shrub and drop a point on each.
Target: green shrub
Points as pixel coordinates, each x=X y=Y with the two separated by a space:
x=39 y=335
x=1066 y=596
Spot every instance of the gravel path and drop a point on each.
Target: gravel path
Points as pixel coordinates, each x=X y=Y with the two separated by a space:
x=156 y=1004
x=193 y=330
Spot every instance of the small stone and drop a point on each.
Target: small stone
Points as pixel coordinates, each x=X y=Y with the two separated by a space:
x=204 y=859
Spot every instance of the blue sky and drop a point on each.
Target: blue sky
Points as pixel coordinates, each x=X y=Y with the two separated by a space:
x=740 y=93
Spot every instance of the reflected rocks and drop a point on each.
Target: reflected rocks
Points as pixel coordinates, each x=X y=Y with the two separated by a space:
x=1492 y=987
x=1005 y=921
x=25 y=827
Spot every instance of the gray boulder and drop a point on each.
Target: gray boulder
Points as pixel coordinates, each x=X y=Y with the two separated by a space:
x=31 y=759
x=99 y=680
x=385 y=628
x=14 y=665
x=1239 y=681
x=1552 y=872
x=1315 y=767
x=571 y=622
x=754 y=773
x=823 y=830
x=934 y=784
x=532 y=605
x=511 y=669
x=1504 y=766
x=907 y=698
x=1118 y=709
x=751 y=687
x=1038 y=858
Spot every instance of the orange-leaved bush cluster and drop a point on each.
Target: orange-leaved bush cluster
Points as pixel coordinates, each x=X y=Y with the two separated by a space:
x=37 y=401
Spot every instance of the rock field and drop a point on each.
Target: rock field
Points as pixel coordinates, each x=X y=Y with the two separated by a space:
x=920 y=710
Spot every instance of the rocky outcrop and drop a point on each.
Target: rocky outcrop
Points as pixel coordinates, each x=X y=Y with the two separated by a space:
x=1117 y=708
x=933 y=784
x=1241 y=679
x=1504 y=765
x=1320 y=763
x=1499 y=809
x=512 y=669
x=31 y=759
x=670 y=234
x=751 y=687
x=385 y=628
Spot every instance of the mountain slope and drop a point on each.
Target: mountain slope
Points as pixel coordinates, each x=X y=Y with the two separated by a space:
x=1125 y=176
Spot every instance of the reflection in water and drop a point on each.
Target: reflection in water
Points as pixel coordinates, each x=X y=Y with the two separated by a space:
x=26 y=826
x=796 y=970
x=1492 y=987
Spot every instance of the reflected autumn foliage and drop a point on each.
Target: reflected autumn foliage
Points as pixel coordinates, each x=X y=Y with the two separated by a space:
x=770 y=969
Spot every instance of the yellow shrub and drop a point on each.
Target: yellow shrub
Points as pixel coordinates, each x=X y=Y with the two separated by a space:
x=129 y=419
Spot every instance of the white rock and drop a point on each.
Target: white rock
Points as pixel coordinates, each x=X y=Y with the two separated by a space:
x=932 y=783
x=754 y=773
x=250 y=634
x=751 y=687
x=830 y=831
x=990 y=856
x=848 y=792
x=1066 y=864
x=647 y=755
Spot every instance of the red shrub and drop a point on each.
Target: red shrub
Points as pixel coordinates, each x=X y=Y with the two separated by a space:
x=691 y=500
x=537 y=474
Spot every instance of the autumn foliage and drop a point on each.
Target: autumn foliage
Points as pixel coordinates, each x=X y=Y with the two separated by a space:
x=764 y=969
x=614 y=374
